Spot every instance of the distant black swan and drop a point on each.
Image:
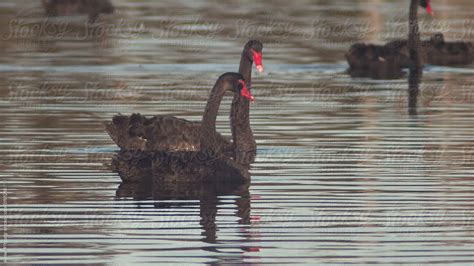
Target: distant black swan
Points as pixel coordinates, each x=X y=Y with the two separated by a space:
x=167 y=133
x=444 y=53
x=73 y=7
x=387 y=61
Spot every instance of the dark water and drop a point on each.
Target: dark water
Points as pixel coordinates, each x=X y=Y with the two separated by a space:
x=346 y=172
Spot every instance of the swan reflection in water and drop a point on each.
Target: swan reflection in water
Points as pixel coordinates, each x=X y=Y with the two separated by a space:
x=167 y=191
x=414 y=80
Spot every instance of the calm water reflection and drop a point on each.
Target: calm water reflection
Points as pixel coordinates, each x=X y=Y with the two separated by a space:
x=347 y=171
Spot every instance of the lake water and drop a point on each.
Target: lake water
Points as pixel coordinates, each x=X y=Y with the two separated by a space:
x=346 y=170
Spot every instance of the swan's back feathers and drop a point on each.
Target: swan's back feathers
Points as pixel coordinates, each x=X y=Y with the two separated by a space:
x=159 y=133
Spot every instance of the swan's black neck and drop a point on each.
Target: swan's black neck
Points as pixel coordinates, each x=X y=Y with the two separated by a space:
x=240 y=112
x=414 y=34
x=208 y=126
x=245 y=67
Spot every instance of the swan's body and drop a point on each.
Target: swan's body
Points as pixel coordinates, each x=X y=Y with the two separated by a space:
x=376 y=61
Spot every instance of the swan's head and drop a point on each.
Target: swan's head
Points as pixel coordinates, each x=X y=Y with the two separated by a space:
x=244 y=91
x=427 y=5
x=235 y=83
x=253 y=49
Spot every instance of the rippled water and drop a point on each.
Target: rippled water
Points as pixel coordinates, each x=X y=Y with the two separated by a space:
x=346 y=171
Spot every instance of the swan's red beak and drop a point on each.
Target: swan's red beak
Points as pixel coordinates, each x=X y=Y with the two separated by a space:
x=429 y=10
x=245 y=91
x=257 y=59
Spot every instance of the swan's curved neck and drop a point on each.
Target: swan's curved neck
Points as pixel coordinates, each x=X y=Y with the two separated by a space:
x=414 y=34
x=242 y=134
x=208 y=126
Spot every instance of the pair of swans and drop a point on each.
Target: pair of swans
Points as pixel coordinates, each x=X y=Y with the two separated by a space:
x=173 y=149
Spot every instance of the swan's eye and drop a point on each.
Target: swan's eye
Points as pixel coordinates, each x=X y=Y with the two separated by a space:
x=257 y=59
x=244 y=91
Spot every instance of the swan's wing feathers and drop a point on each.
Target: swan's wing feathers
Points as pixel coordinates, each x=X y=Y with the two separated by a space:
x=172 y=134
x=159 y=133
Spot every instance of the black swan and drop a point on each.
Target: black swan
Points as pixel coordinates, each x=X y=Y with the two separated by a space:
x=167 y=133
x=210 y=164
x=240 y=112
x=440 y=52
x=72 y=7
x=387 y=61
x=133 y=165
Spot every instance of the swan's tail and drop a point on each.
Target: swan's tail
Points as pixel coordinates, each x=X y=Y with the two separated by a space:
x=128 y=132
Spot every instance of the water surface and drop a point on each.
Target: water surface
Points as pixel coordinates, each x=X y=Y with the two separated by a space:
x=346 y=171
